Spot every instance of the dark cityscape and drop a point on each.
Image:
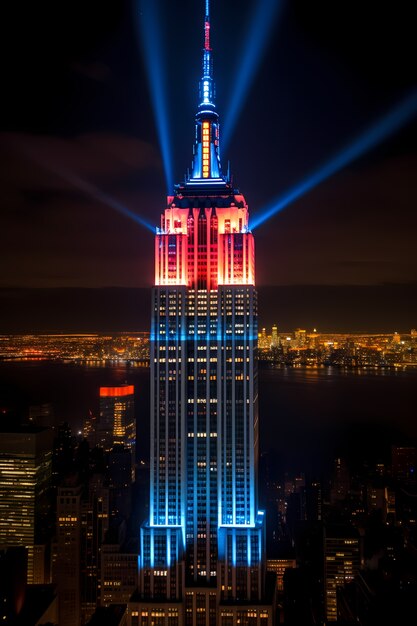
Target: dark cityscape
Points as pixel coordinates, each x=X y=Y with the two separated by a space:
x=208 y=338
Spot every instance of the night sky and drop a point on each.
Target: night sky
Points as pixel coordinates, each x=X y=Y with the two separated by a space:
x=76 y=106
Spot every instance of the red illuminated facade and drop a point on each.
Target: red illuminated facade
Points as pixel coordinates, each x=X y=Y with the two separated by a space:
x=203 y=248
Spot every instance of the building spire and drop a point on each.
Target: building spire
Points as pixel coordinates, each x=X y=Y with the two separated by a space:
x=206 y=165
x=207 y=83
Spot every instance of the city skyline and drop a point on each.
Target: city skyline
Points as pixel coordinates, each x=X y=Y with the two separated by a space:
x=300 y=347
x=329 y=74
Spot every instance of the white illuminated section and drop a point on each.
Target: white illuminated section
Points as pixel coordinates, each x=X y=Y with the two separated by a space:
x=206 y=92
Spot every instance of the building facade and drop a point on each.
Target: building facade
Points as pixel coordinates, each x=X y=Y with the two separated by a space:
x=202 y=556
x=341 y=563
x=67 y=567
x=25 y=478
x=116 y=423
x=82 y=522
x=119 y=573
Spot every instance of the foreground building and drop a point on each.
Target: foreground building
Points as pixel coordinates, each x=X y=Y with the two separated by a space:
x=341 y=563
x=25 y=478
x=202 y=557
x=82 y=522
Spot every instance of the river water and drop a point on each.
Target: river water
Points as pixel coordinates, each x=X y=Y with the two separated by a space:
x=307 y=416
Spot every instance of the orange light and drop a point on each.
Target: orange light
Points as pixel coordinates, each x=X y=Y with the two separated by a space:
x=206 y=149
x=113 y=392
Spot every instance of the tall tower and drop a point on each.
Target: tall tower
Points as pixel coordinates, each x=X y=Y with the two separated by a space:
x=202 y=550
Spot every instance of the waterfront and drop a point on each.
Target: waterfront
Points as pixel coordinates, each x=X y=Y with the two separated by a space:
x=307 y=416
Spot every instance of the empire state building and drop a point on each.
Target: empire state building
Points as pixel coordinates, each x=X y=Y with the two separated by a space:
x=202 y=559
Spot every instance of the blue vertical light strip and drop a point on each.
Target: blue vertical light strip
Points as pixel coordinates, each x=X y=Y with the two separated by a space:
x=376 y=134
x=168 y=547
x=152 y=44
x=262 y=21
x=152 y=547
x=234 y=547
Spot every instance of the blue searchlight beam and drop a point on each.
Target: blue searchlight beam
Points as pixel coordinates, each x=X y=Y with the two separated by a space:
x=80 y=183
x=262 y=20
x=152 y=45
x=380 y=131
x=99 y=195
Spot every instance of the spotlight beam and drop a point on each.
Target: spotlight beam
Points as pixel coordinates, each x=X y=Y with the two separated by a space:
x=152 y=46
x=82 y=185
x=104 y=198
x=261 y=26
x=378 y=133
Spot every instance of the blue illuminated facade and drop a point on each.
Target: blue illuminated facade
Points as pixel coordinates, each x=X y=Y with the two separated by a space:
x=202 y=557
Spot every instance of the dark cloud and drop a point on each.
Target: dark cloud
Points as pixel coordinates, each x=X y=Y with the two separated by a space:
x=103 y=155
x=99 y=72
x=50 y=221
x=358 y=228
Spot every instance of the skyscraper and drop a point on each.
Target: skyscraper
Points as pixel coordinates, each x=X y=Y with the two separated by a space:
x=25 y=477
x=67 y=574
x=274 y=337
x=202 y=549
x=116 y=424
x=341 y=563
x=82 y=521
